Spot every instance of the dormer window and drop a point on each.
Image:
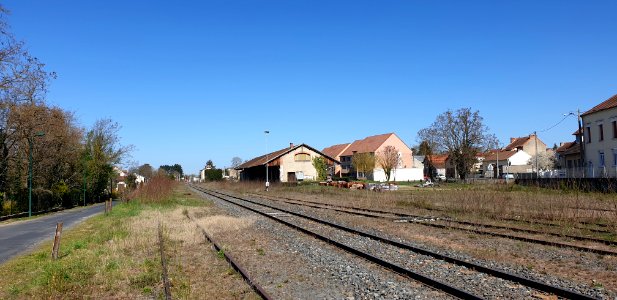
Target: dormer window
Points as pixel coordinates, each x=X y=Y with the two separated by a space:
x=302 y=157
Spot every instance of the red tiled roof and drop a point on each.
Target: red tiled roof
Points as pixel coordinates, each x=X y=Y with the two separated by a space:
x=517 y=142
x=262 y=160
x=438 y=160
x=266 y=158
x=609 y=103
x=502 y=155
x=565 y=147
x=575 y=149
x=336 y=150
x=367 y=145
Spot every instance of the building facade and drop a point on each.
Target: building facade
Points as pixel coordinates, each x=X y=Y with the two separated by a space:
x=406 y=170
x=291 y=164
x=600 y=139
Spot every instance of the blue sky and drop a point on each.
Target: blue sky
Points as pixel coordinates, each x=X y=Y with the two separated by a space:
x=196 y=80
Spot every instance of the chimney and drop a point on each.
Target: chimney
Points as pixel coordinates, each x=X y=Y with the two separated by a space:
x=512 y=140
x=291 y=145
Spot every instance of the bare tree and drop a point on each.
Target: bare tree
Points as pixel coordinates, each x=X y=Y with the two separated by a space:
x=427 y=138
x=388 y=159
x=462 y=134
x=545 y=160
x=145 y=170
x=363 y=162
x=236 y=161
x=104 y=150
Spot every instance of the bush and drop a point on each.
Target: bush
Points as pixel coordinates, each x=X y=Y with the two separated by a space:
x=214 y=174
x=156 y=190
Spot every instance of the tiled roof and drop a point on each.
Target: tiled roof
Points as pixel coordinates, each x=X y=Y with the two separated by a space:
x=609 y=103
x=517 y=142
x=261 y=160
x=503 y=155
x=575 y=149
x=438 y=160
x=336 y=150
x=367 y=145
x=565 y=147
x=266 y=158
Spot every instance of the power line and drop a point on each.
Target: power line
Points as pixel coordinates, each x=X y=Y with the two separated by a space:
x=545 y=130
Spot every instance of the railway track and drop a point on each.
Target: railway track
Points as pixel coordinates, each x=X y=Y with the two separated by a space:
x=257 y=288
x=430 y=221
x=492 y=277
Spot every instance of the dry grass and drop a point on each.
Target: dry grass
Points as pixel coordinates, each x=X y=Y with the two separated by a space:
x=116 y=257
x=472 y=202
x=157 y=190
x=222 y=224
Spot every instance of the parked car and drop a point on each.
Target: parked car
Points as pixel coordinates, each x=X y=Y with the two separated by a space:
x=507 y=176
x=440 y=177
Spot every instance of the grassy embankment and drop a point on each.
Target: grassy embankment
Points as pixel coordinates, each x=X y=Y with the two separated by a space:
x=116 y=255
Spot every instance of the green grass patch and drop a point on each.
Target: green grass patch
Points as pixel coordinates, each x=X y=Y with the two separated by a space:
x=89 y=263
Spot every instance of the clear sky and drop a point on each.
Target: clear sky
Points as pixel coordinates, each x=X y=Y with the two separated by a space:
x=196 y=80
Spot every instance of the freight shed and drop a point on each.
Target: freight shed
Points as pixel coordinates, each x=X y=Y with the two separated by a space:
x=291 y=164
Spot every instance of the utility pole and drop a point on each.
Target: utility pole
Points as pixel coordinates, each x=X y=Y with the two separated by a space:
x=537 y=171
x=267 y=158
x=497 y=163
x=579 y=120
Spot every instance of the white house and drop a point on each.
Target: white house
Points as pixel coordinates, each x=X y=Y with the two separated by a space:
x=508 y=161
x=600 y=139
x=139 y=179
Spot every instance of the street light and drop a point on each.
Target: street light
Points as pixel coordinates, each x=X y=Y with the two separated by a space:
x=85 y=174
x=267 y=158
x=40 y=133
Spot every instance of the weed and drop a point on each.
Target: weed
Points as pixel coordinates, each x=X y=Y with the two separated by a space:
x=111 y=266
x=79 y=245
x=261 y=251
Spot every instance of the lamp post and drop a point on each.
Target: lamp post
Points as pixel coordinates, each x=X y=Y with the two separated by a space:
x=40 y=133
x=267 y=158
x=84 y=180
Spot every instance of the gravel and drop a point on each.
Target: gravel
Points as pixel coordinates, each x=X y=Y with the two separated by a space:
x=459 y=276
x=313 y=269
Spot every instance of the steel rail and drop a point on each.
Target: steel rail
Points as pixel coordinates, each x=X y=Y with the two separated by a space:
x=454 y=291
x=494 y=272
x=258 y=289
x=525 y=239
x=440 y=210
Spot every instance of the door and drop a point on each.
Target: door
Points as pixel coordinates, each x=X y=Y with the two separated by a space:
x=291 y=177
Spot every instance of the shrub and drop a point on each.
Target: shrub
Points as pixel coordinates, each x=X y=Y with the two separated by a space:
x=156 y=190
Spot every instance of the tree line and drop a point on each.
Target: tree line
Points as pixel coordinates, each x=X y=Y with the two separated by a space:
x=70 y=165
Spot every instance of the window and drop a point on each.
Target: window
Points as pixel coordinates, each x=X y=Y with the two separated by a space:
x=615 y=157
x=615 y=129
x=302 y=157
x=601 y=158
x=588 y=135
x=601 y=127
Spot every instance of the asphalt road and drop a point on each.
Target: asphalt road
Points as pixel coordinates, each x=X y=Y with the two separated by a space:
x=18 y=237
